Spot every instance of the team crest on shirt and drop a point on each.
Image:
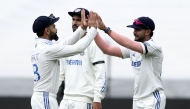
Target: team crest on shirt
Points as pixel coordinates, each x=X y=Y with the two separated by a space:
x=82 y=54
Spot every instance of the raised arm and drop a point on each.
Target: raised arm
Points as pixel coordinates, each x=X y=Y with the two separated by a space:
x=120 y=39
x=126 y=42
x=60 y=51
x=74 y=37
x=106 y=48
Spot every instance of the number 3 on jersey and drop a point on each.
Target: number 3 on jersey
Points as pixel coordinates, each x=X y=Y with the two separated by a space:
x=36 y=74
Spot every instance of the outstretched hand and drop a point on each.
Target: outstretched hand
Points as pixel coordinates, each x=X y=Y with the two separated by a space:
x=92 y=19
x=84 y=23
x=101 y=25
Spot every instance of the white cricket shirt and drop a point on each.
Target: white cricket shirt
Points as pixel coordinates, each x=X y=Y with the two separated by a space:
x=147 y=68
x=46 y=54
x=84 y=75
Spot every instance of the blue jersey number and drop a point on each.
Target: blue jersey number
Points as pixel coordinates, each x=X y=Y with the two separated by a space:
x=35 y=68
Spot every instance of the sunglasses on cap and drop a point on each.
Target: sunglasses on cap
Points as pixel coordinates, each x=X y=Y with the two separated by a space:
x=51 y=16
x=138 y=22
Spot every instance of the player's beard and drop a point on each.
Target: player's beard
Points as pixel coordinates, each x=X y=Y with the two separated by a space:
x=74 y=27
x=53 y=36
x=139 y=38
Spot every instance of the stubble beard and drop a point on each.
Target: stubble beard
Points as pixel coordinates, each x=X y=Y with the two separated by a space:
x=74 y=29
x=139 y=38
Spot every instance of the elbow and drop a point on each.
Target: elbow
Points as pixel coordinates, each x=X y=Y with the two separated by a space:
x=106 y=51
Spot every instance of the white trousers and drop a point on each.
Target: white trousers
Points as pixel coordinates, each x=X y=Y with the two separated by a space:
x=44 y=100
x=157 y=100
x=73 y=104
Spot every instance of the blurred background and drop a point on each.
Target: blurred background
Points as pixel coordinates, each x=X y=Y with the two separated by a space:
x=172 y=20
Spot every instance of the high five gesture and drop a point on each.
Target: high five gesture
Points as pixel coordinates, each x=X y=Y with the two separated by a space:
x=84 y=23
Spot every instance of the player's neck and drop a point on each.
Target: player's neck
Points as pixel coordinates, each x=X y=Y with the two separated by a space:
x=147 y=38
x=45 y=37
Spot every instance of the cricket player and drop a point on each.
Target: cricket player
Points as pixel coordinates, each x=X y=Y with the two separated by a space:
x=84 y=74
x=146 y=60
x=45 y=57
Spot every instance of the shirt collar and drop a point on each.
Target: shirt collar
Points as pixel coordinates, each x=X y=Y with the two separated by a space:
x=41 y=40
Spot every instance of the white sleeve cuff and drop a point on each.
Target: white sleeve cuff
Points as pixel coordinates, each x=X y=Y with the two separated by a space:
x=97 y=99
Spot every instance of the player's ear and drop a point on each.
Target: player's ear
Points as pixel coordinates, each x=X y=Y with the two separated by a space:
x=46 y=31
x=148 y=31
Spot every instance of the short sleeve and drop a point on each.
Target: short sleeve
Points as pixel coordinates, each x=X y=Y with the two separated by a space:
x=151 y=48
x=125 y=52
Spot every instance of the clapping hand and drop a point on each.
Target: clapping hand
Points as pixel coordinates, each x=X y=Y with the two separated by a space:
x=92 y=20
x=84 y=21
x=101 y=25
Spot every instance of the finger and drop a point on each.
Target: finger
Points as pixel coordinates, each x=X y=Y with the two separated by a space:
x=96 y=14
x=96 y=17
x=83 y=15
x=90 y=18
x=99 y=18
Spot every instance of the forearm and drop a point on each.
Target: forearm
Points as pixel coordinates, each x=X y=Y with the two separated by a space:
x=106 y=48
x=74 y=37
x=61 y=51
x=100 y=82
x=120 y=39
x=125 y=41
x=102 y=44
x=85 y=42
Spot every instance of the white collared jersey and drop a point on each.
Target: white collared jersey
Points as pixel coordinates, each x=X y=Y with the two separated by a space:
x=45 y=58
x=84 y=75
x=147 y=68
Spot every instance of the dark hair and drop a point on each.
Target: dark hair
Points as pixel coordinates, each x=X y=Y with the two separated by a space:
x=41 y=33
x=151 y=34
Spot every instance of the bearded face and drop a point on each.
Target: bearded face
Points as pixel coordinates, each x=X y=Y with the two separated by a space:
x=76 y=21
x=53 y=36
x=139 y=35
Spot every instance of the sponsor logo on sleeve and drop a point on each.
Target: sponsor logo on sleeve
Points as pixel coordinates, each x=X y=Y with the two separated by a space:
x=136 y=64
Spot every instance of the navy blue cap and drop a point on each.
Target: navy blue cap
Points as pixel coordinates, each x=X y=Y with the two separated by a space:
x=143 y=22
x=78 y=12
x=43 y=22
